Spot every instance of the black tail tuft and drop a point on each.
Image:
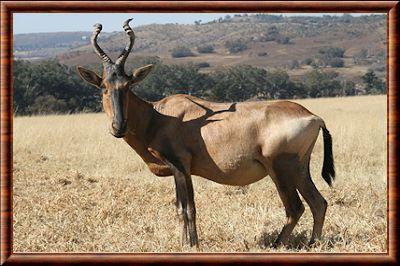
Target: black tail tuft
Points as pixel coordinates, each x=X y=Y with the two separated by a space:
x=328 y=168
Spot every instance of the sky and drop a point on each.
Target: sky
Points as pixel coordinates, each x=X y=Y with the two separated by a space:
x=51 y=22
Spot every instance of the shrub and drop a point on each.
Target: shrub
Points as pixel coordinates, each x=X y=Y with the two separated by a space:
x=282 y=39
x=335 y=62
x=203 y=64
x=331 y=52
x=324 y=60
x=236 y=46
x=271 y=34
x=294 y=64
x=362 y=54
x=205 y=49
x=307 y=61
x=181 y=51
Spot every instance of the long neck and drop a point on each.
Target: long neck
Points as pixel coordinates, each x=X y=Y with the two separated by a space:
x=141 y=115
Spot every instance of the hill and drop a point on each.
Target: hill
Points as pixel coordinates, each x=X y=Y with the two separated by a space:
x=48 y=44
x=260 y=40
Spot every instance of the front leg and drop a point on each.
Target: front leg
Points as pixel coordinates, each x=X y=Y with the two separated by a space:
x=184 y=193
x=184 y=189
x=181 y=215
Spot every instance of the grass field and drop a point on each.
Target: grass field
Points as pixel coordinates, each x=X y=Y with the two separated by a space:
x=77 y=188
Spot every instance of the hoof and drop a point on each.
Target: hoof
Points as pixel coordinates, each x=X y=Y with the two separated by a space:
x=194 y=243
x=277 y=244
x=194 y=249
x=313 y=243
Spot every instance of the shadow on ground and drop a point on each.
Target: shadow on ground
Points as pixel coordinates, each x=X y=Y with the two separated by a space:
x=300 y=240
x=296 y=240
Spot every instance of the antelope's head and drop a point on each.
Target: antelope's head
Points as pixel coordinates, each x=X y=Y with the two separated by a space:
x=115 y=82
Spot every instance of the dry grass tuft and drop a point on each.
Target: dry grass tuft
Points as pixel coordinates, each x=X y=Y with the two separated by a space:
x=76 y=188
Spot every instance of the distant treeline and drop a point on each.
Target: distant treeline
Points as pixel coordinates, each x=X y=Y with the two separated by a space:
x=51 y=87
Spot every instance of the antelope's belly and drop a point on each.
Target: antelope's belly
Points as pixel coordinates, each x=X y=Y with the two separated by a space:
x=237 y=171
x=229 y=153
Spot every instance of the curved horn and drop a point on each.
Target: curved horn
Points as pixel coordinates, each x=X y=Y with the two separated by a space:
x=97 y=28
x=122 y=57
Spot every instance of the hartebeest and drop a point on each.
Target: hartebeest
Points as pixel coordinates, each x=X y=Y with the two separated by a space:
x=228 y=143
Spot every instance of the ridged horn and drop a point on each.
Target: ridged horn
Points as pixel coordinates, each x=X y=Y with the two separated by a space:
x=120 y=62
x=104 y=57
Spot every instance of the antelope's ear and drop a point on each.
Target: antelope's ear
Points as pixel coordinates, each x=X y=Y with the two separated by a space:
x=89 y=76
x=140 y=73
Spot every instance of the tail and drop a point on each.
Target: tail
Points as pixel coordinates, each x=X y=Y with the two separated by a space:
x=328 y=167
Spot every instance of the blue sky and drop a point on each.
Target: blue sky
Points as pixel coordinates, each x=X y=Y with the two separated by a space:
x=51 y=22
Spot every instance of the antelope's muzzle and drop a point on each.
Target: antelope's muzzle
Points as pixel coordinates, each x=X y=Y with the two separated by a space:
x=118 y=130
x=119 y=123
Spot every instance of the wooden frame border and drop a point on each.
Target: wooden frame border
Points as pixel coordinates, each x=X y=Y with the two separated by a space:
x=391 y=8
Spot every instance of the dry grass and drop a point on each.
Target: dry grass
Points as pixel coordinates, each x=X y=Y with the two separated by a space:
x=76 y=188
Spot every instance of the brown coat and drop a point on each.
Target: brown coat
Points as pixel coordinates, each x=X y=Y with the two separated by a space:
x=229 y=143
x=233 y=144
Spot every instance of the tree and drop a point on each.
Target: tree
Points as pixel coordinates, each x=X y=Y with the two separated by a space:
x=322 y=84
x=172 y=79
x=349 y=88
x=330 y=56
x=373 y=84
x=237 y=83
x=25 y=90
x=50 y=87
x=241 y=83
x=280 y=85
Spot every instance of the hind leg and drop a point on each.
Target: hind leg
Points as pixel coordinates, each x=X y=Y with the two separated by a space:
x=294 y=208
x=284 y=176
x=316 y=201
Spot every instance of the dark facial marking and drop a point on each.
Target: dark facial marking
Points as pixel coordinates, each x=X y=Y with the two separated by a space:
x=119 y=121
